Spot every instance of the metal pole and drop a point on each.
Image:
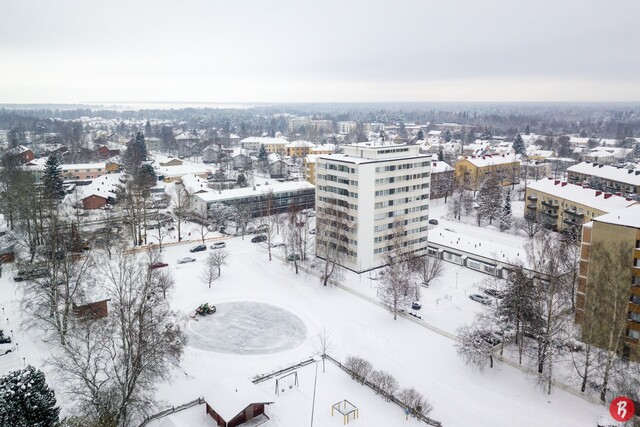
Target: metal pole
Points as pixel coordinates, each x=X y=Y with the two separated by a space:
x=313 y=404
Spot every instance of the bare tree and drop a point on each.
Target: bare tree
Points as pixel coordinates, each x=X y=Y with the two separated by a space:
x=180 y=203
x=606 y=303
x=54 y=283
x=414 y=402
x=333 y=226
x=324 y=344
x=161 y=231
x=201 y=217
x=552 y=305
x=112 y=365
x=384 y=383
x=218 y=258
x=359 y=367
x=475 y=346
x=395 y=285
x=530 y=223
x=428 y=268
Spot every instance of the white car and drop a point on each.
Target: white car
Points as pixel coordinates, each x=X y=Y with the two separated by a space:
x=7 y=348
x=186 y=260
x=219 y=245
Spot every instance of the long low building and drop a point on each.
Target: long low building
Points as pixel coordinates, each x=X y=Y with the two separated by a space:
x=560 y=205
x=301 y=194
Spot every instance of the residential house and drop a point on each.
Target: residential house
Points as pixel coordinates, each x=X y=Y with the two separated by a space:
x=471 y=171
x=442 y=176
x=278 y=168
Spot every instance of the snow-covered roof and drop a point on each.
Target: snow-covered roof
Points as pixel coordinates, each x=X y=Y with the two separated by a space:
x=440 y=166
x=237 y=151
x=610 y=173
x=104 y=186
x=617 y=152
x=577 y=194
x=507 y=251
x=435 y=132
x=264 y=140
x=194 y=184
x=273 y=157
x=229 y=396
x=74 y=166
x=196 y=416
x=324 y=148
x=185 y=137
x=628 y=217
x=239 y=193
x=181 y=170
x=300 y=144
x=311 y=158
x=491 y=160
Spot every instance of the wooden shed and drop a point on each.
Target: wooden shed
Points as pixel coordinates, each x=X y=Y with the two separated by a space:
x=233 y=402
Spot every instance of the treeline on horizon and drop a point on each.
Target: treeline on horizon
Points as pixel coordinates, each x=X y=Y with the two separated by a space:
x=598 y=120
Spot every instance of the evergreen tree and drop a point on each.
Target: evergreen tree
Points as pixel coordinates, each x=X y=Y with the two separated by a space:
x=447 y=135
x=489 y=198
x=147 y=128
x=242 y=181
x=440 y=154
x=471 y=137
x=420 y=135
x=52 y=178
x=506 y=219
x=518 y=145
x=141 y=146
x=262 y=154
x=527 y=130
x=26 y=400
x=146 y=176
x=486 y=134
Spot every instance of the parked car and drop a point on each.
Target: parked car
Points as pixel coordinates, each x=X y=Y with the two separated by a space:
x=480 y=298
x=493 y=293
x=433 y=221
x=293 y=257
x=311 y=214
x=219 y=245
x=36 y=273
x=4 y=339
x=489 y=338
x=198 y=248
x=416 y=306
x=186 y=260
x=157 y=265
x=6 y=348
x=259 y=238
x=262 y=228
x=277 y=245
x=312 y=231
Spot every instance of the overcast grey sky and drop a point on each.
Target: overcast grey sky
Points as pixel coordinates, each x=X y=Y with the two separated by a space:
x=326 y=50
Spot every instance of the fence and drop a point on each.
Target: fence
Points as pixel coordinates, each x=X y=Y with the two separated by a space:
x=388 y=396
x=262 y=378
x=172 y=410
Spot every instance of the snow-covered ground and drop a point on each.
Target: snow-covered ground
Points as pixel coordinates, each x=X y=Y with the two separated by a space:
x=417 y=356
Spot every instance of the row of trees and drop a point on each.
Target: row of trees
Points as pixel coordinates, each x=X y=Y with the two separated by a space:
x=534 y=316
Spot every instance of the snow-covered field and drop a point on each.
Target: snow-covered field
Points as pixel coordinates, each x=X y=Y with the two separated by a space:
x=417 y=356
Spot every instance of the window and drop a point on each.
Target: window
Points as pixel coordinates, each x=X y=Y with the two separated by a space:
x=635 y=317
x=633 y=334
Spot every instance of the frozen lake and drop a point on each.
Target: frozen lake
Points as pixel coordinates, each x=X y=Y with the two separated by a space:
x=247 y=328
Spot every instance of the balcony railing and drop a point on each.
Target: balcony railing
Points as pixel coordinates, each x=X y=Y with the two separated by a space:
x=532 y=198
x=574 y=213
x=532 y=207
x=549 y=204
x=550 y=215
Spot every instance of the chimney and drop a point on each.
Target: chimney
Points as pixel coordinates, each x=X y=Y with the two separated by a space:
x=598 y=193
x=637 y=172
x=607 y=195
x=617 y=193
x=556 y=182
x=628 y=199
x=434 y=164
x=564 y=183
x=600 y=166
x=549 y=177
x=595 y=164
x=630 y=171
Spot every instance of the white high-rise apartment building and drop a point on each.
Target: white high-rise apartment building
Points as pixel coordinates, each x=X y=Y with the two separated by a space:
x=374 y=188
x=346 y=128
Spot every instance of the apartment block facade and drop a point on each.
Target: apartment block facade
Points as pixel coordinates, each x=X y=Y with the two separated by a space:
x=624 y=181
x=621 y=226
x=559 y=205
x=375 y=187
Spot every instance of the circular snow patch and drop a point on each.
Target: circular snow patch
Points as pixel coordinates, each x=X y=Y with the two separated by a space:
x=247 y=328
